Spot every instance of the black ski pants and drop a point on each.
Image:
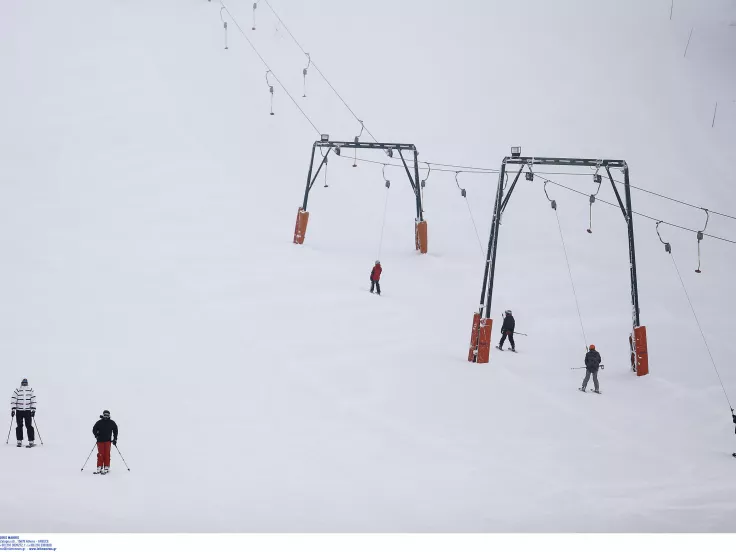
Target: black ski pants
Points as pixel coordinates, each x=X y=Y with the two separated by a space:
x=511 y=339
x=375 y=285
x=588 y=372
x=21 y=415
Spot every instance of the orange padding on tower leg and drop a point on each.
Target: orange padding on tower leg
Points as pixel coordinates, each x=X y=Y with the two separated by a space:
x=420 y=236
x=640 y=349
x=480 y=339
x=474 y=337
x=300 y=230
x=484 y=340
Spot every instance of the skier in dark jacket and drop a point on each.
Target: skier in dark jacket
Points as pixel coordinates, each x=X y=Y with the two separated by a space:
x=592 y=363
x=375 y=277
x=507 y=330
x=106 y=432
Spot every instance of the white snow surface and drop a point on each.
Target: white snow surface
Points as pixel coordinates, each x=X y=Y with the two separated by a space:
x=147 y=205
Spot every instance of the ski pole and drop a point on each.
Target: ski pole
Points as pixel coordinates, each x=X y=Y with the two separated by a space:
x=519 y=333
x=11 y=427
x=584 y=367
x=39 y=433
x=121 y=456
x=90 y=454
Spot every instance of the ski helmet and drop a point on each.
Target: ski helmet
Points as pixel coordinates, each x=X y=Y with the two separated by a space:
x=508 y=311
x=24 y=382
x=106 y=414
x=592 y=347
x=378 y=262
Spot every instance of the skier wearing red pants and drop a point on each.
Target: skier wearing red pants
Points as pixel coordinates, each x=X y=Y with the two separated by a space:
x=106 y=433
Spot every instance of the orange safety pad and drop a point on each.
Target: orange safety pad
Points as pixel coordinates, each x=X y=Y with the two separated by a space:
x=300 y=230
x=420 y=236
x=474 y=337
x=484 y=340
x=640 y=349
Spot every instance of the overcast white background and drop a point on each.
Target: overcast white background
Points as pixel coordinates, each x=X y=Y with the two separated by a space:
x=146 y=215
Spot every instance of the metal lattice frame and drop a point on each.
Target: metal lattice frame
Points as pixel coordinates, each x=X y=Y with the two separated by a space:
x=502 y=201
x=336 y=147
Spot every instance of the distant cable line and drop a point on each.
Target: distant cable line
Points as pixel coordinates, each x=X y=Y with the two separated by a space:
x=640 y=214
x=269 y=68
x=321 y=74
x=555 y=184
x=468 y=169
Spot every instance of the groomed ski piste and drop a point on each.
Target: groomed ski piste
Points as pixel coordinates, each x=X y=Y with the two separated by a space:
x=147 y=204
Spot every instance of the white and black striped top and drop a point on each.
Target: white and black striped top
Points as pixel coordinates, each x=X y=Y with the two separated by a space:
x=23 y=399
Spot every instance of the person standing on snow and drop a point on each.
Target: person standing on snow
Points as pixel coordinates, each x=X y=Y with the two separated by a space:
x=592 y=363
x=375 y=277
x=106 y=432
x=23 y=407
x=507 y=330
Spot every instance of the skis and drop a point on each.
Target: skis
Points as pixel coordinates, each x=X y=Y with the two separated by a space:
x=584 y=391
x=510 y=350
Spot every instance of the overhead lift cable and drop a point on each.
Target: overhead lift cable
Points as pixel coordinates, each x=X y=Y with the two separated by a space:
x=642 y=214
x=662 y=196
x=316 y=68
x=250 y=43
x=479 y=169
x=487 y=171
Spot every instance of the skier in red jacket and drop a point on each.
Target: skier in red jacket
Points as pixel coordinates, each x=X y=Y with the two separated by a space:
x=375 y=277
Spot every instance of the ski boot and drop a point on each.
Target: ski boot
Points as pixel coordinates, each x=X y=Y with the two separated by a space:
x=30 y=444
x=105 y=470
x=20 y=444
x=98 y=470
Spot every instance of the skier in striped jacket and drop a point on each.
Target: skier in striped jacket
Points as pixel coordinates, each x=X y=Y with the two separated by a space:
x=23 y=407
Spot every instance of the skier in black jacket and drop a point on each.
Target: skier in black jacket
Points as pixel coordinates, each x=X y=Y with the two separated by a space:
x=106 y=432
x=507 y=330
x=592 y=363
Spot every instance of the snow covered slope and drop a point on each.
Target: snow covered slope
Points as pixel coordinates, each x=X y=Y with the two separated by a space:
x=147 y=203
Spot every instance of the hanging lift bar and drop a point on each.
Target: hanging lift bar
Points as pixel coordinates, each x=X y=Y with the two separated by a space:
x=500 y=203
x=389 y=147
